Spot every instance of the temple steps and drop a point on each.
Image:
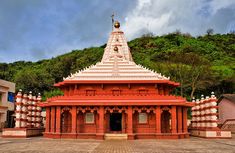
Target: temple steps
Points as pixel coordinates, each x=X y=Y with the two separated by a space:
x=115 y=136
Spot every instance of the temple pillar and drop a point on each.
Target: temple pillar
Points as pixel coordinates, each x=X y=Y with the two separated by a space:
x=130 y=123
x=100 y=134
x=52 y=119
x=179 y=119
x=185 y=114
x=173 y=120
x=158 y=119
x=78 y=122
x=123 y=122
x=48 y=118
x=58 y=119
x=74 y=121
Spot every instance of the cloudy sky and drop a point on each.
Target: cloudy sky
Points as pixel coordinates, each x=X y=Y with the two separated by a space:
x=38 y=29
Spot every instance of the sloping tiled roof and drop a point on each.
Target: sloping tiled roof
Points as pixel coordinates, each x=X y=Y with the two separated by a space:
x=230 y=97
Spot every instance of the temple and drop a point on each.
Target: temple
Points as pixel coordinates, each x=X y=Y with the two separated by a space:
x=116 y=96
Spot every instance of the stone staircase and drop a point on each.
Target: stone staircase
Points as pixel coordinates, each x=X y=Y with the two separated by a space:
x=115 y=136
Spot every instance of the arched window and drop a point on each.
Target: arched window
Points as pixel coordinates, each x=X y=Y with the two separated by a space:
x=66 y=122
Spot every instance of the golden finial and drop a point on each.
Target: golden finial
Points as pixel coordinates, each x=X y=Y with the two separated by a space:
x=116 y=24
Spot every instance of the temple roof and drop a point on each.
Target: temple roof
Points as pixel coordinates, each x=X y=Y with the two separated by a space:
x=230 y=97
x=116 y=64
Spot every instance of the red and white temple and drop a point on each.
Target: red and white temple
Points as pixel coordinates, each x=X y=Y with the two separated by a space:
x=116 y=96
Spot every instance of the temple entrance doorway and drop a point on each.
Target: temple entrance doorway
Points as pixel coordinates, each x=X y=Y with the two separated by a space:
x=66 y=122
x=115 y=122
x=166 y=122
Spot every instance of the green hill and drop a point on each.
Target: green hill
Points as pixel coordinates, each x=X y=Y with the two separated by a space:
x=201 y=64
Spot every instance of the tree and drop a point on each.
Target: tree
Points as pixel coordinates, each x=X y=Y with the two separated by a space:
x=148 y=35
x=199 y=75
x=191 y=70
x=210 y=31
x=35 y=80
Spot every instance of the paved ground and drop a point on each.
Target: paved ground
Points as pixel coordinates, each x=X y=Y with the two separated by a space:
x=40 y=144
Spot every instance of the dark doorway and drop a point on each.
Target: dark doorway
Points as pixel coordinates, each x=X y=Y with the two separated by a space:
x=10 y=119
x=166 y=122
x=115 y=122
x=66 y=122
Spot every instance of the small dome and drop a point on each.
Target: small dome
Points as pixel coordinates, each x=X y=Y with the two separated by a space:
x=116 y=24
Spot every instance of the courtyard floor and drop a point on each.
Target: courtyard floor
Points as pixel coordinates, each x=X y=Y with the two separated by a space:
x=193 y=144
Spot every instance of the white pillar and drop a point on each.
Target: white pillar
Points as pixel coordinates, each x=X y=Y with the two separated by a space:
x=201 y=106
x=38 y=112
x=213 y=111
x=29 y=115
x=197 y=112
x=18 y=109
x=24 y=111
x=193 y=114
x=34 y=111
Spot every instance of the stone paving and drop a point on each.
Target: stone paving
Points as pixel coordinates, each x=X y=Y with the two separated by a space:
x=193 y=144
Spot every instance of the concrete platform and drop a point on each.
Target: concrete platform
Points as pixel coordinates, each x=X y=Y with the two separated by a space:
x=211 y=134
x=21 y=132
x=45 y=145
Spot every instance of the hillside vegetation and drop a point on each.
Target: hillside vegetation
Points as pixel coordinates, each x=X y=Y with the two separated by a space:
x=201 y=64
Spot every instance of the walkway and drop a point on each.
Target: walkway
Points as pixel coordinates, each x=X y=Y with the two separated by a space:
x=40 y=144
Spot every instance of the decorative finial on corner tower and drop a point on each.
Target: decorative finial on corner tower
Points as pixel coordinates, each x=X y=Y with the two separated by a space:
x=193 y=100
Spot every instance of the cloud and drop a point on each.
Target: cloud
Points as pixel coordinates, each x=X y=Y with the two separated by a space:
x=33 y=30
x=38 y=29
x=161 y=17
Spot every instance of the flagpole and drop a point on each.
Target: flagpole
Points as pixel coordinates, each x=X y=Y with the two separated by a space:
x=112 y=16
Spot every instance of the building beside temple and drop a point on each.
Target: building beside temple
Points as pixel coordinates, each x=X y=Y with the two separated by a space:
x=226 y=107
x=226 y=104
x=7 y=90
x=116 y=96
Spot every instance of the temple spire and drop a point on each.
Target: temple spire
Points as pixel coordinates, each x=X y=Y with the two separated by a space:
x=117 y=45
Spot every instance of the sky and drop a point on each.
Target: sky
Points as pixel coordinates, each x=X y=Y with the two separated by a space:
x=32 y=30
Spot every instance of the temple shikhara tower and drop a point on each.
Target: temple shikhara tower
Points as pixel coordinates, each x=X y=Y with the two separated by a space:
x=116 y=98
